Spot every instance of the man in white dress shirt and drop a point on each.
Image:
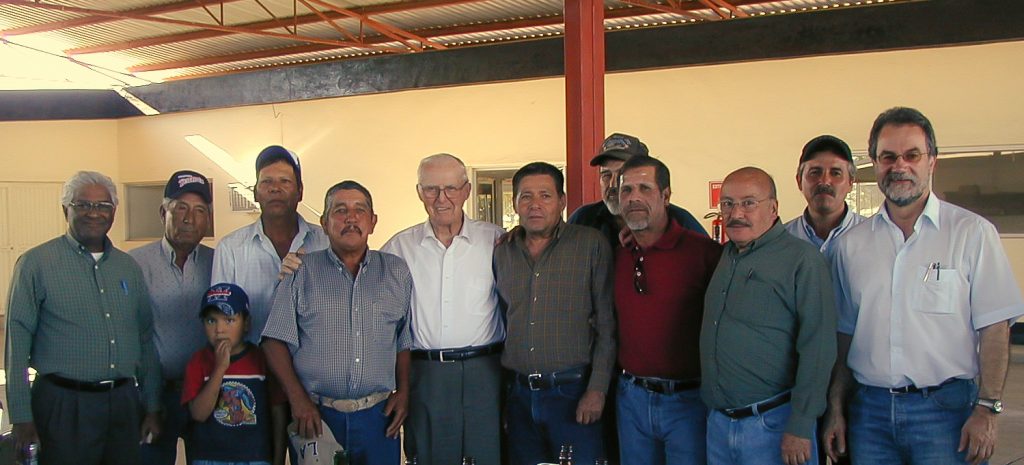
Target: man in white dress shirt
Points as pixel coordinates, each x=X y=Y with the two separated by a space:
x=456 y=323
x=925 y=296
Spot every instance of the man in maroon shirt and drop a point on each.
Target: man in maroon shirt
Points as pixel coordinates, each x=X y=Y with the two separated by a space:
x=660 y=279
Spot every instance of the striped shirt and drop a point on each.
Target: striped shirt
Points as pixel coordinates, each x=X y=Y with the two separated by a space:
x=248 y=259
x=176 y=294
x=559 y=306
x=344 y=333
x=78 y=318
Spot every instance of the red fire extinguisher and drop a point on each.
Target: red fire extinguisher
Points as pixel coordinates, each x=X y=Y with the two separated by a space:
x=717 y=231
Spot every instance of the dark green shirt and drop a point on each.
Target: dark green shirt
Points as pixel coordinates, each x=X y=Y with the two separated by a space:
x=559 y=307
x=769 y=327
x=78 y=318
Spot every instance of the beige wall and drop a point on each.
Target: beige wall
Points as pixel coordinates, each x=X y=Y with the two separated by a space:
x=703 y=121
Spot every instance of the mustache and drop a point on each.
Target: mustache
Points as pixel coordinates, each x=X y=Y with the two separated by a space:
x=737 y=224
x=825 y=189
x=896 y=176
x=351 y=228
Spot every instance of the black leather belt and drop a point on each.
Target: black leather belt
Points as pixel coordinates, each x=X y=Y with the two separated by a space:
x=538 y=381
x=106 y=385
x=662 y=386
x=918 y=390
x=748 y=411
x=454 y=355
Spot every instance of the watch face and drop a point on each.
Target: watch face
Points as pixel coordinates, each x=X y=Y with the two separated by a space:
x=997 y=406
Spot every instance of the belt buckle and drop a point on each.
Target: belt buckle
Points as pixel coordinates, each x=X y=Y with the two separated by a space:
x=440 y=356
x=107 y=384
x=531 y=378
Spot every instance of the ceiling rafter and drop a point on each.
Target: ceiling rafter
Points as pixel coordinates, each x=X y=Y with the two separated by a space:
x=653 y=5
x=233 y=29
x=391 y=31
x=714 y=7
x=262 y=25
x=89 y=20
x=324 y=18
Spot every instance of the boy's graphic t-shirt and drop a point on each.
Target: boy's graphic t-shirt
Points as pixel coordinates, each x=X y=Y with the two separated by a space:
x=239 y=428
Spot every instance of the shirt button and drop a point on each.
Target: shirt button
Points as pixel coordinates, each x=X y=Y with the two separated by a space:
x=111 y=365
x=534 y=299
x=101 y=291
x=533 y=323
x=111 y=341
x=108 y=315
x=357 y=333
x=531 y=349
x=537 y=274
x=357 y=360
x=96 y=267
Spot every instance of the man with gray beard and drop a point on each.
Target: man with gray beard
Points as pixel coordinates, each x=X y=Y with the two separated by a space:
x=925 y=297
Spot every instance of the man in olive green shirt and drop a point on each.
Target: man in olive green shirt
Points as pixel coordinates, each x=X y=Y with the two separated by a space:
x=767 y=341
x=79 y=313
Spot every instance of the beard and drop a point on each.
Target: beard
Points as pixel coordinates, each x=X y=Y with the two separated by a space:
x=638 y=224
x=613 y=205
x=902 y=196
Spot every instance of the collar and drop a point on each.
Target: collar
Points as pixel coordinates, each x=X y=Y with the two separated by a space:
x=169 y=252
x=848 y=216
x=427 y=232
x=930 y=213
x=337 y=261
x=259 y=234
x=78 y=247
x=767 y=238
x=671 y=237
x=519 y=233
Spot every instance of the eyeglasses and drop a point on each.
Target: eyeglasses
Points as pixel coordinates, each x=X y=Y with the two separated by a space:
x=890 y=158
x=431 y=192
x=639 y=277
x=747 y=205
x=84 y=206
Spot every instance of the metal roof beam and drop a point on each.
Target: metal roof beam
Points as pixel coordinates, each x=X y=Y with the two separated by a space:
x=155 y=19
x=386 y=29
x=89 y=20
x=262 y=25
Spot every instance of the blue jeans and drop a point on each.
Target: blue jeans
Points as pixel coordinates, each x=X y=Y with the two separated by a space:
x=660 y=429
x=164 y=449
x=362 y=435
x=911 y=429
x=755 y=439
x=540 y=422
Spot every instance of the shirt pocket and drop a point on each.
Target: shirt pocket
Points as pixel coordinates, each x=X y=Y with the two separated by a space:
x=939 y=291
x=386 y=318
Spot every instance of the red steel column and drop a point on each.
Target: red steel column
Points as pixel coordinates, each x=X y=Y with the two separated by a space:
x=584 y=97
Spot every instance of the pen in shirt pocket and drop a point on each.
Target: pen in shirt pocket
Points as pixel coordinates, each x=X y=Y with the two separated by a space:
x=124 y=286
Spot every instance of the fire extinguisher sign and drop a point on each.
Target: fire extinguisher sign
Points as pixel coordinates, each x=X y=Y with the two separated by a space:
x=714 y=193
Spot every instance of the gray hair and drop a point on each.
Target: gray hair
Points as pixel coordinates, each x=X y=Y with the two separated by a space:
x=438 y=158
x=86 y=178
x=850 y=168
x=348 y=185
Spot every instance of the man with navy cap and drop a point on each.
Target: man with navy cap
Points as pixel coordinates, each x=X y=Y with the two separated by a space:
x=251 y=257
x=825 y=176
x=177 y=271
x=606 y=215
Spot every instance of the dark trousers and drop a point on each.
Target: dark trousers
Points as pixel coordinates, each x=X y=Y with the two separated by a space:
x=86 y=428
x=541 y=421
x=454 y=411
x=164 y=449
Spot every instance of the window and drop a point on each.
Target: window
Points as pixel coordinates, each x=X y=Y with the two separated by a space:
x=988 y=181
x=141 y=207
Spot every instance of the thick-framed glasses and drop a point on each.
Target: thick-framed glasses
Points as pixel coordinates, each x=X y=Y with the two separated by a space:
x=639 y=276
x=84 y=206
x=890 y=158
x=747 y=205
x=431 y=192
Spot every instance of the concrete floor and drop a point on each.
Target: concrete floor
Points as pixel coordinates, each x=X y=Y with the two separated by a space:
x=1010 y=449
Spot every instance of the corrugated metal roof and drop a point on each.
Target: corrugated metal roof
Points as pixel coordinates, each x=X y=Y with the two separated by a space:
x=489 y=19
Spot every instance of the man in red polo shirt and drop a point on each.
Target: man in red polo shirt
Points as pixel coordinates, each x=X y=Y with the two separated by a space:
x=660 y=279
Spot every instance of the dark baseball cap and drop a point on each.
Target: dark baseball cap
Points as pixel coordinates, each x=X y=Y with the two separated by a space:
x=826 y=143
x=275 y=153
x=185 y=181
x=620 y=147
x=225 y=298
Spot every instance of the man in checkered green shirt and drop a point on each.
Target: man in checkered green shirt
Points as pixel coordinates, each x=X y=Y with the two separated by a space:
x=79 y=313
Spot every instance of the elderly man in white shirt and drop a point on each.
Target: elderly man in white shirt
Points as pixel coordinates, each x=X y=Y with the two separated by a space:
x=926 y=297
x=456 y=323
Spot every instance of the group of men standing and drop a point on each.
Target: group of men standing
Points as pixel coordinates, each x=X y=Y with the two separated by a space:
x=884 y=337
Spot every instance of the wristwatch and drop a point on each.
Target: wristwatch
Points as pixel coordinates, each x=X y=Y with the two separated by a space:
x=995 y=405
